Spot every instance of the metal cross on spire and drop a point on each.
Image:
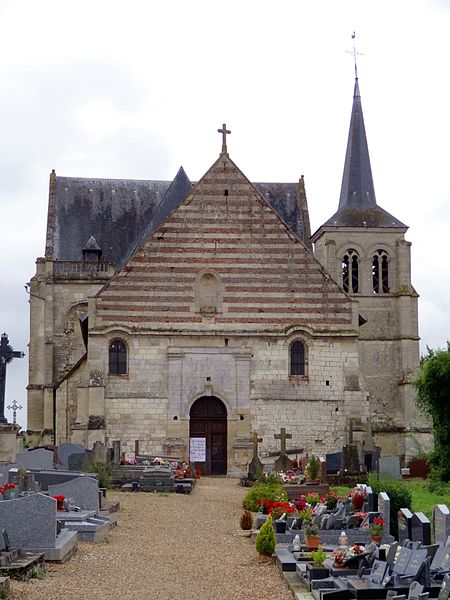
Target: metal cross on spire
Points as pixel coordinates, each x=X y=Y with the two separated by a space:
x=224 y=132
x=14 y=407
x=6 y=356
x=354 y=53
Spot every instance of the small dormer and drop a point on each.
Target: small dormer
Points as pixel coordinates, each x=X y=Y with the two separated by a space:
x=92 y=251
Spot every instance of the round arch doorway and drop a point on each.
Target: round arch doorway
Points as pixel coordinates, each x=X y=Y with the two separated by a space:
x=208 y=419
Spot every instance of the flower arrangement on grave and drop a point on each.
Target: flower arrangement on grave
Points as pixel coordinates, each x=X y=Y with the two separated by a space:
x=301 y=504
x=129 y=460
x=375 y=530
x=59 y=501
x=360 y=517
x=358 y=498
x=6 y=489
x=198 y=472
x=278 y=508
x=313 y=499
x=331 y=501
x=265 y=505
x=288 y=476
x=340 y=555
x=295 y=463
x=182 y=472
x=158 y=460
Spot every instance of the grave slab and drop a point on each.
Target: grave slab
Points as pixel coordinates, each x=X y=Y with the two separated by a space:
x=441 y=523
x=84 y=490
x=41 y=458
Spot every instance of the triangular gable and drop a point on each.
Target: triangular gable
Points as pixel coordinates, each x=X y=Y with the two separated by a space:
x=267 y=277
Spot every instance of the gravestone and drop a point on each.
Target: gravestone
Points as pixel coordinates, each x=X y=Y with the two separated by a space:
x=384 y=507
x=445 y=588
x=99 y=452
x=420 y=529
x=283 y=463
x=333 y=461
x=116 y=453
x=83 y=490
x=350 y=459
x=389 y=466
x=80 y=461
x=255 y=465
x=41 y=458
x=404 y=524
x=31 y=525
x=65 y=450
x=323 y=470
x=441 y=523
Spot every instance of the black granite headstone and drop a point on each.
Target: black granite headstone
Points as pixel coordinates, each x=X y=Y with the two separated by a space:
x=404 y=517
x=420 y=529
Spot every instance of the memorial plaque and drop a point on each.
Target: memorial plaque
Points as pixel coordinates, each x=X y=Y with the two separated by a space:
x=378 y=571
x=404 y=524
x=418 y=557
x=441 y=523
x=402 y=561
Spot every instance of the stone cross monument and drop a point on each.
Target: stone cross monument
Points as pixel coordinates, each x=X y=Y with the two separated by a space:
x=6 y=356
x=283 y=463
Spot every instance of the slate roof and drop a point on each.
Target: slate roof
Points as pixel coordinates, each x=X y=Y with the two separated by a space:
x=357 y=203
x=120 y=213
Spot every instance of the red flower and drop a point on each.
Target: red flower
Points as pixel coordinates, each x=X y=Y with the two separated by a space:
x=59 y=498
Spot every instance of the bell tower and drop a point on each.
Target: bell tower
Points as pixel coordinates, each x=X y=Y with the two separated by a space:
x=364 y=248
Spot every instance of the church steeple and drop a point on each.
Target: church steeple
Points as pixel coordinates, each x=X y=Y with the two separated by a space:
x=357 y=203
x=357 y=182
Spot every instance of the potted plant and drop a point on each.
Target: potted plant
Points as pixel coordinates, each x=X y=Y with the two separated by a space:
x=312 y=470
x=266 y=540
x=375 y=530
x=311 y=531
x=246 y=523
x=316 y=569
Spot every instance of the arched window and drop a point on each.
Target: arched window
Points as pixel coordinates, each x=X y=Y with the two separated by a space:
x=350 y=271
x=380 y=272
x=117 y=358
x=297 y=358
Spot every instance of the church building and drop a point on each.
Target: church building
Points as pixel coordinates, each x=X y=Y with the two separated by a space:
x=165 y=310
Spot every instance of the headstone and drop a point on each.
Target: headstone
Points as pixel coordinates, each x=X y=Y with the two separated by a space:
x=445 y=588
x=99 y=452
x=333 y=461
x=377 y=572
x=30 y=521
x=421 y=529
x=41 y=458
x=389 y=466
x=83 y=491
x=350 y=459
x=65 y=450
x=384 y=506
x=441 y=523
x=323 y=470
x=80 y=461
x=415 y=589
x=255 y=465
x=116 y=452
x=404 y=524
x=402 y=560
x=441 y=560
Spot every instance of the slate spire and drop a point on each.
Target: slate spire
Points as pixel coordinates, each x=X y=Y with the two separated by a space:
x=357 y=203
x=357 y=182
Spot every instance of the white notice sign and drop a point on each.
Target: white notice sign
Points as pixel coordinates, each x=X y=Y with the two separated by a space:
x=197 y=449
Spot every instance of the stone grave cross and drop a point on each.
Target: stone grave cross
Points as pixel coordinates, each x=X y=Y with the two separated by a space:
x=6 y=356
x=283 y=463
x=283 y=436
x=224 y=132
x=255 y=441
x=14 y=407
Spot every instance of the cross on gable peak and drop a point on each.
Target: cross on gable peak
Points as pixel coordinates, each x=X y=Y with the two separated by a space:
x=224 y=131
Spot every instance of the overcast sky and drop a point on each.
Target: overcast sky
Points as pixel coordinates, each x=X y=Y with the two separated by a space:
x=135 y=89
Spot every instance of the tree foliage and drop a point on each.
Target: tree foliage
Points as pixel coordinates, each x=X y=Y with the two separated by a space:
x=266 y=540
x=433 y=398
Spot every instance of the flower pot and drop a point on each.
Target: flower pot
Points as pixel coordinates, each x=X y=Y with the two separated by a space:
x=312 y=543
x=376 y=539
x=280 y=526
x=315 y=572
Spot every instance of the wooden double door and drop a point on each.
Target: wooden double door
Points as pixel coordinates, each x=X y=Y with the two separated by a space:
x=208 y=419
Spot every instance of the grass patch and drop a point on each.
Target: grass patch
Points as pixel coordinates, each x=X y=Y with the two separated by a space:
x=423 y=499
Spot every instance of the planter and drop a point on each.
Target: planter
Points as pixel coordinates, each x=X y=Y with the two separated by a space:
x=312 y=543
x=316 y=572
x=245 y=533
x=376 y=539
x=280 y=526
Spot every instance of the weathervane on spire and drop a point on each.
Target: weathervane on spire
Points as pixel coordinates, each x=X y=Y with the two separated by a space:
x=355 y=54
x=224 y=132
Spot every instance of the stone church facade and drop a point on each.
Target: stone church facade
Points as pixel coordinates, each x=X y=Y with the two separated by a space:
x=166 y=310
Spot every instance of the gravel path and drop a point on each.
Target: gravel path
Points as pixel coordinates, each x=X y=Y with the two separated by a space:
x=166 y=548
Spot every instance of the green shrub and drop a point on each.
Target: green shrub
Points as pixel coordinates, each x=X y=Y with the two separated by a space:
x=259 y=492
x=399 y=494
x=266 y=540
x=103 y=472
